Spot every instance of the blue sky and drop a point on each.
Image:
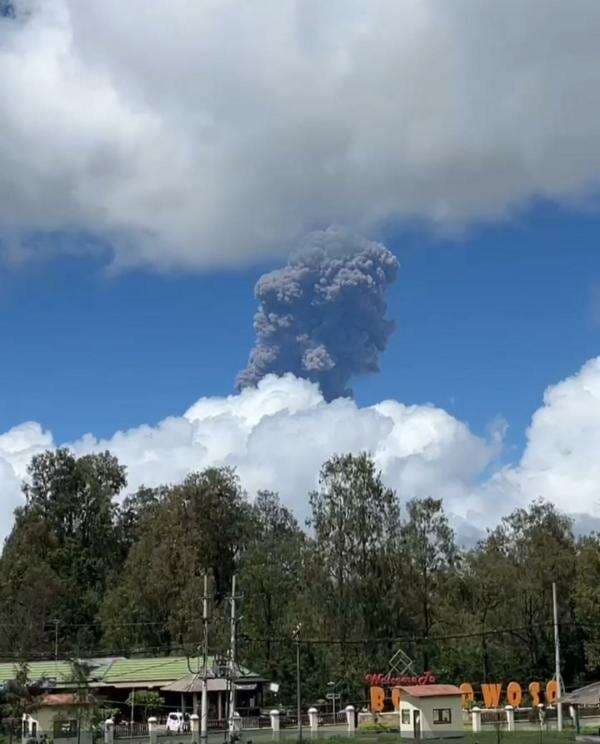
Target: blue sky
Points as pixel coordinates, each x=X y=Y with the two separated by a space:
x=156 y=159
x=485 y=323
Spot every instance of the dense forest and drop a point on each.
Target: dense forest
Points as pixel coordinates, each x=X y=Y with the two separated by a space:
x=84 y=573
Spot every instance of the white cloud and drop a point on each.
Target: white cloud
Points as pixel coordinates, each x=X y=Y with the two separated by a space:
x=203 y=134
x=17 y=446
x=560 y=462
x=278 y=435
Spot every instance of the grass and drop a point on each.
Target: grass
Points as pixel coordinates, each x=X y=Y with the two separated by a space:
x=521 y=737
x=484 y=737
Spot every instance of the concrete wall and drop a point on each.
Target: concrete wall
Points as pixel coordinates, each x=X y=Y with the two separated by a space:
x=426 y=707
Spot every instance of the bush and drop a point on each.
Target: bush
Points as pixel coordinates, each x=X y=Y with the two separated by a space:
x=378 y=727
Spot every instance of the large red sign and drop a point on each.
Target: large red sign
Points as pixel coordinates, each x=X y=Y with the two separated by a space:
x=384 y=680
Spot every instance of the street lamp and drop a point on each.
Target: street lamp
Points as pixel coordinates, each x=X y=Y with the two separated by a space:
x=296 y=637
x=331 y=686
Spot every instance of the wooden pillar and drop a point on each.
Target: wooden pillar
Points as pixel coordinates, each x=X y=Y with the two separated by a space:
x=183 y=702
x=220 y=706
x=195 y=702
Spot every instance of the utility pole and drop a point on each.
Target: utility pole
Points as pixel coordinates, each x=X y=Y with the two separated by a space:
x=56 y=621
x=204 y=698
x=298 y=681
x=559 y=716
x=232 y=672
x=201 y=671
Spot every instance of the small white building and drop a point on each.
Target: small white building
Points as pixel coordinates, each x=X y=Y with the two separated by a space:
x=430 y=711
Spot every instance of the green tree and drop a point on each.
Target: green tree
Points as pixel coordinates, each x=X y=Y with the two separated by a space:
x=21 y=695
x=134 y=512
x=586 y=597
x=150 y=702
x=198 y=526
x=64 y=543
x=272 y=580
x=355 y=519
x=430 y=555
x=511 y=575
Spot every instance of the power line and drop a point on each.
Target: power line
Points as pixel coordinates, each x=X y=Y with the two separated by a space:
x=413 y=638
x=46 y=655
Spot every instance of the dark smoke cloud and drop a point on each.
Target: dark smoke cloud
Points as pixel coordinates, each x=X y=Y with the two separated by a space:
x=322 y=316
x=7 y=9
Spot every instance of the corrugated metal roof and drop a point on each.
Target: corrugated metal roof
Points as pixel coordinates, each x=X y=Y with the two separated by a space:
x=193 y=683
x=163 y=669
x=588 y=695
x=166 y=669
x=59 y=670
x=430 y=690
x=116 y=671
x=61 y=698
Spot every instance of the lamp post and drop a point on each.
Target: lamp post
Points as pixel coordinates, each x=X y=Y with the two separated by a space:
x=331 y=686
x=296 y=637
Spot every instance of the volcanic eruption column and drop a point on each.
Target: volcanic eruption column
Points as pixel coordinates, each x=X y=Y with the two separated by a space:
x=322 y=316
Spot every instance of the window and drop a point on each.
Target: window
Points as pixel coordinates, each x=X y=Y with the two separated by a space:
x=405 y=716
x=65 y=728
x=442 y=715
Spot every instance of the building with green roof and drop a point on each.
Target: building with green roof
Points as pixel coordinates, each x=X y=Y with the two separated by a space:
x=175 y=678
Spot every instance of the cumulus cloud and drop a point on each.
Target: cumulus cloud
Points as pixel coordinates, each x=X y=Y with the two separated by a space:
x=17 y=446
x=560 y=462
x=217 y=133
x=278 y=434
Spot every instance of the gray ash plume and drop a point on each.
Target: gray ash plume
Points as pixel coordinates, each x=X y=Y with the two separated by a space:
x=322 y=316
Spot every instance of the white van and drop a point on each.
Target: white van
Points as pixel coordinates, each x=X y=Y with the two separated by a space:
x=177 y=722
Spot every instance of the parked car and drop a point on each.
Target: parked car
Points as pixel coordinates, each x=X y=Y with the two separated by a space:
x=177 y=722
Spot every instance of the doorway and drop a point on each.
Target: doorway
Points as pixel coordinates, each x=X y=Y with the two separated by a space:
x=417 y=723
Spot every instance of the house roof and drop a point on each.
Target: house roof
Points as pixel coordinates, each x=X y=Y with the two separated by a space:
x=58 y=670
x=118 y=672
x=60 y=698
x=423 y=691
x=588 y=695
x=163 y=670
x=193 y=682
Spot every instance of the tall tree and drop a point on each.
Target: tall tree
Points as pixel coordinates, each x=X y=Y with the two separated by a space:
x=271 y=581
x=64 y=535
x=430 y=552
x=197 y=526
x=518 y=562
x=586 y=598
x=355 y=519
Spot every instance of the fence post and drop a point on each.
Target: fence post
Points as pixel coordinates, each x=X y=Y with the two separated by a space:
x=542 y=715
x=152 y=732
x=109 y=731
x=274 y=714
x=313 y=720
x=575 y=717
x=510 y=717
x=195 y=726
x=476 y=719
x=350 y=720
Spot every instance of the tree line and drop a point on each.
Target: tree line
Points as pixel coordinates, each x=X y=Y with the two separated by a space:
x=84 y=573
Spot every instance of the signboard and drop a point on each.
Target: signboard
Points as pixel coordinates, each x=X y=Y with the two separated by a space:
x=494 y=696
x=386 y=692
x=385 y=680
